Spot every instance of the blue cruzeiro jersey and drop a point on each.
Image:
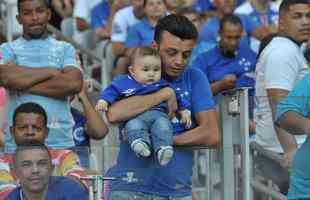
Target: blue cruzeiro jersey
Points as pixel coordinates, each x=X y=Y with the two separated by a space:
x=41 y=53
x=216 y=66
x=145 y=174
x=125 y=86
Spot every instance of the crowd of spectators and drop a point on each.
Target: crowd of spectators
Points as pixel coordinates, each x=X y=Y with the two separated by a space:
x=169 y=57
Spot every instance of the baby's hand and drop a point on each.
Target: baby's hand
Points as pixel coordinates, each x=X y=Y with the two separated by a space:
x=186 y=117
x=102 y=105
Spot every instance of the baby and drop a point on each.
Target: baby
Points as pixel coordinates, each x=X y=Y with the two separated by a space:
x=153 y=127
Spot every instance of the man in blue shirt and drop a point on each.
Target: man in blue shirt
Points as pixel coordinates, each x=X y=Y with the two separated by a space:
x=142 y=33
x=228 y=65
x=210 y=29
x=293 y=114
x=34 y=169
x=38 y=68
x=175 y=36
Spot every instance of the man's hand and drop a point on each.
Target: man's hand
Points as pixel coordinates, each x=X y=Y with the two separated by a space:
x=288 y=159
x=228 y=82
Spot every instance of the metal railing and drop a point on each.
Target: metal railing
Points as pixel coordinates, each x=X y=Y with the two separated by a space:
x=234 y=118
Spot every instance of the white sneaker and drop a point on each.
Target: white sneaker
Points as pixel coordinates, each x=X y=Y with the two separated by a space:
x=164 y=155
x=140 y=148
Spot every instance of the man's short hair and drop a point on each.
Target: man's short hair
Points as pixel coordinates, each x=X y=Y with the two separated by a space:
x=30 y=146
x=285 y=5
x=30 y=107
x=178 y=26
x=232 y=19
x=21 y=1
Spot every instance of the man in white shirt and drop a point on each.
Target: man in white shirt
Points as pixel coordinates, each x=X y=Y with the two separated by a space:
x=280 y=66
x=81 y=13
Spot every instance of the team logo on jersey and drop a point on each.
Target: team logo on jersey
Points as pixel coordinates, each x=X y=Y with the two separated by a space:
x=129 y=91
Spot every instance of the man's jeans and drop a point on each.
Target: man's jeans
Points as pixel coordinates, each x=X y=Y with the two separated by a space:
x=128 y=195
x=153 y=127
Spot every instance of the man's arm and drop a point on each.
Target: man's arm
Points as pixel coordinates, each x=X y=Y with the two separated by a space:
x=287 y=141
x=96 y=127
x=228 y=82
x=127 y=108
x=118 y=48
x=66 y=83
x=292 y=112
x=294 y=123
x=16 y=77
x=206 y=133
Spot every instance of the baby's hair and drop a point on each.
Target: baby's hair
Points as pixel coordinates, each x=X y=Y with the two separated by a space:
x=144 y=51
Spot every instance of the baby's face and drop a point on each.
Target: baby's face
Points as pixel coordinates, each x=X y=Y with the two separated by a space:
x=146 y=69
